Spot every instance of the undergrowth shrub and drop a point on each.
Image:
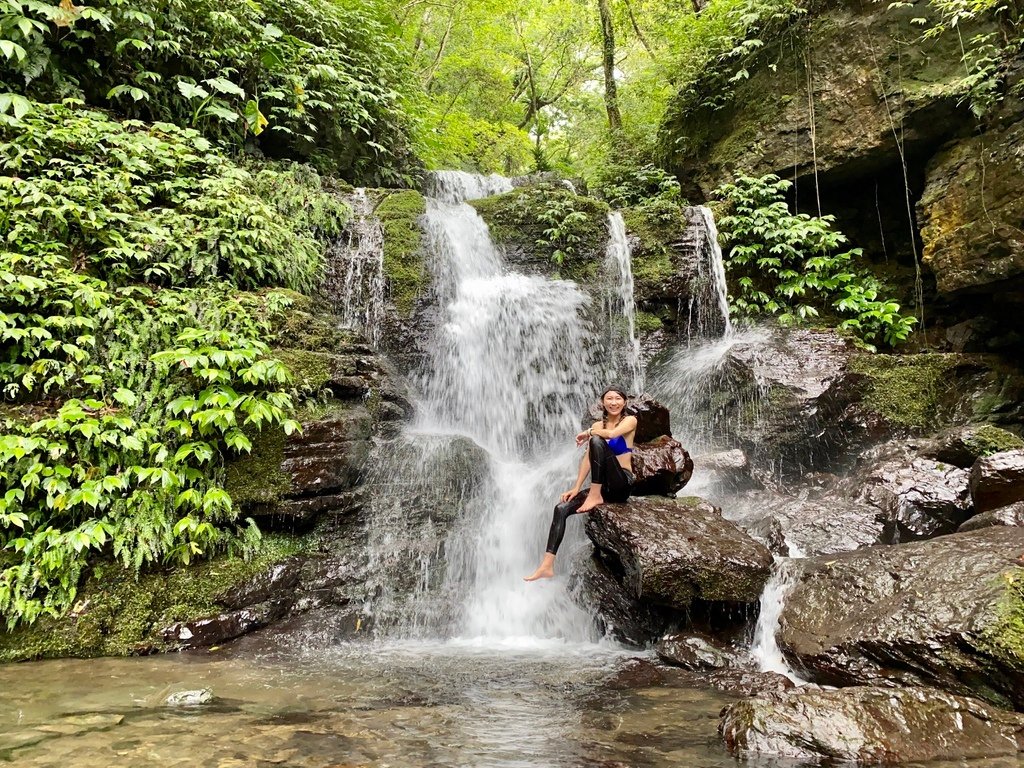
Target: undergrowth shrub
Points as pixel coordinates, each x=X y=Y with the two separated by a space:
x=797 y=266
x=134 y=355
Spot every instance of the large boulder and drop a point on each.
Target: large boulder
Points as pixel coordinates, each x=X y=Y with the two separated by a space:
x=816 y=525
x=870 y=726
x=662 y=467
x=619 y=614
x=673 y=552
x=917 y=498
x=998 y=480
x=943 y=612
x=1012 y=516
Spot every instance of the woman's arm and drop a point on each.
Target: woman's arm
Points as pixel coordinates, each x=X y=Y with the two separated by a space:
x=624 y=427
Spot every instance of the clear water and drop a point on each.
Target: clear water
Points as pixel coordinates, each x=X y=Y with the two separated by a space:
x=620 y=309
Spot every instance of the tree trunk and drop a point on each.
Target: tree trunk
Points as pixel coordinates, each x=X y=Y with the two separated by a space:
x=611 y=98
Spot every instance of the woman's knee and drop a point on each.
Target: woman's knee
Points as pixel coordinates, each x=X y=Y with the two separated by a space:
x=565 y=509
x=598 y=445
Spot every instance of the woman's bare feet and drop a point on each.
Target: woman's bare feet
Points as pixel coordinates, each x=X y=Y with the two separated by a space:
x=592 y=500
x=546 y=569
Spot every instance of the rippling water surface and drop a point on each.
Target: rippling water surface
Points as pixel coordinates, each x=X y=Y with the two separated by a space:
x=457 y=704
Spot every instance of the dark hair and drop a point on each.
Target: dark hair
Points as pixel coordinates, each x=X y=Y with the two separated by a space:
x=604 y=413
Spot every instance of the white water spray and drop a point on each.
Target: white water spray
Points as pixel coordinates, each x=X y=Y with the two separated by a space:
x=764 y=649
x=621 y=307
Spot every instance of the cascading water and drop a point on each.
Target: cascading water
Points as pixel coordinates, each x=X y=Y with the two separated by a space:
x=709 y=297
x=621 y=308
x=354 y=274
x=764 y=649
x=510 y=371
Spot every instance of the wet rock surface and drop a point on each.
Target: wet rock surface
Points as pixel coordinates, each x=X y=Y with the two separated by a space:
x=619 y=613
x=675 y=552
x=697 y=651
x=1011 y=516
x=941 y=612
x=661 y=467
x=870 y=726
x=998 y=480
x=962 y=446
x=917 y=498
x=817 y=525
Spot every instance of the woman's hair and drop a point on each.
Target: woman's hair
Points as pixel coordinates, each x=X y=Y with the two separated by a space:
x=604 y=413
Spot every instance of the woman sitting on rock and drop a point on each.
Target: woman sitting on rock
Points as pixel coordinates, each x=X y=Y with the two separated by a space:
x=608 y=460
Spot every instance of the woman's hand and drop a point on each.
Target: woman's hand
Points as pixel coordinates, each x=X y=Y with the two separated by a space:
x=569 y=494
x=582 y=437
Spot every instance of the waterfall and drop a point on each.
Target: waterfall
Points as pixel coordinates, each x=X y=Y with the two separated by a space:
x=708 y=308
x=621 y=307
x=458 y=186
x=510 y=372
x=764 y=650
x=354 y=274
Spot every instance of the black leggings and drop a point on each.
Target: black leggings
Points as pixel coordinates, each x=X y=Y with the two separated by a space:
x=616 y=484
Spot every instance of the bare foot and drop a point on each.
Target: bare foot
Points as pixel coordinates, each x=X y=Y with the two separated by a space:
x=590 y=502
x=546 y=569
x=544 y=572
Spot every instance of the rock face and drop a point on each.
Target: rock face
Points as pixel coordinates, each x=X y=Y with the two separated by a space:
x=944 y=612
x=962 y=446
x=675 y=552
x=870 y=726
x=619 y=613
x=1012 y=516
x=696 y=651
x=917 y=498
x=818 y=525
x=662 y=467
x=998 y=480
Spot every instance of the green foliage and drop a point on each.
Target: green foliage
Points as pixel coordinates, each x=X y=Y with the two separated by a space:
x=563 y=221
x=132 y=363
x=316 y=80
x=795 y=266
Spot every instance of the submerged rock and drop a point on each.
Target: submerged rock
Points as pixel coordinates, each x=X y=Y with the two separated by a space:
x=1011 y=516
x=675 y=552
x=662 y=467
x=998 y=480
x=944 y=612
x=870 y=726
x=189 y=698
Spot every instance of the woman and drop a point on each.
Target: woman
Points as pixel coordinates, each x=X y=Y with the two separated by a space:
x=608 y=460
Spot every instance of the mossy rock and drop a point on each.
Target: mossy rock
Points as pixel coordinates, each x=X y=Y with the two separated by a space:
x=399 y=212
x=117 y=614
x=515 y=223
x=908 y=391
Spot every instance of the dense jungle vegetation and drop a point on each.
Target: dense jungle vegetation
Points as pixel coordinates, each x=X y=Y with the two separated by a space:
x=171 y=174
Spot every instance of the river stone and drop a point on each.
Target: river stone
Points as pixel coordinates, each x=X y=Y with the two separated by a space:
x=870 y=726
x=998 y=480
x=673 y=552
x=189 y=698
x=918 y=498
x=1011 y=516
x=962 y=446
x=662 y=467
x=695 y=651
x=943 y=612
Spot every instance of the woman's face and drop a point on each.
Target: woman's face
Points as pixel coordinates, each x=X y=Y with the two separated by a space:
x=613 y=402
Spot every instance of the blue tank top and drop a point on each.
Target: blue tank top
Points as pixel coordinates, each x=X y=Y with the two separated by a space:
x=618 y=446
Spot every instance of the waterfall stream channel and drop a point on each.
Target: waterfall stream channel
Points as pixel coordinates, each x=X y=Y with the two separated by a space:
x=463 y=663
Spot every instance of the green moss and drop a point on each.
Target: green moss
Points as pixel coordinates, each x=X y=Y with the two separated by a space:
x=647 y=322
x=1003 y=639
x=256 y=478
x=988 y=439
x=514 y=220
x=654 y=265
x=119 y=615
x=310 y=370
x=399 y=213
x=905 y=389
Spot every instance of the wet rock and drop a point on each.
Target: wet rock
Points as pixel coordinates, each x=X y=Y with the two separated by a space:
x=870 y=726
x=962 y=446
x=917 y=497
x=942 y=612
x=696 y=651
x=662 y=467
x=619 y=614
x=329 y=454
x=202 y=633
x=824 y=523
x=747 y=682
x=189 y=698
x=675 y=552
x=726 y=469
x=276 y=584
x=1011 y=516
x=998 y=480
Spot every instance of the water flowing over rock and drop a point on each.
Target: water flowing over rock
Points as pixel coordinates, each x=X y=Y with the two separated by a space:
x=675 y=552
x=942 y=612
x=459 y=186
x=870 y=726
x=998 y=480
x=623 y=345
